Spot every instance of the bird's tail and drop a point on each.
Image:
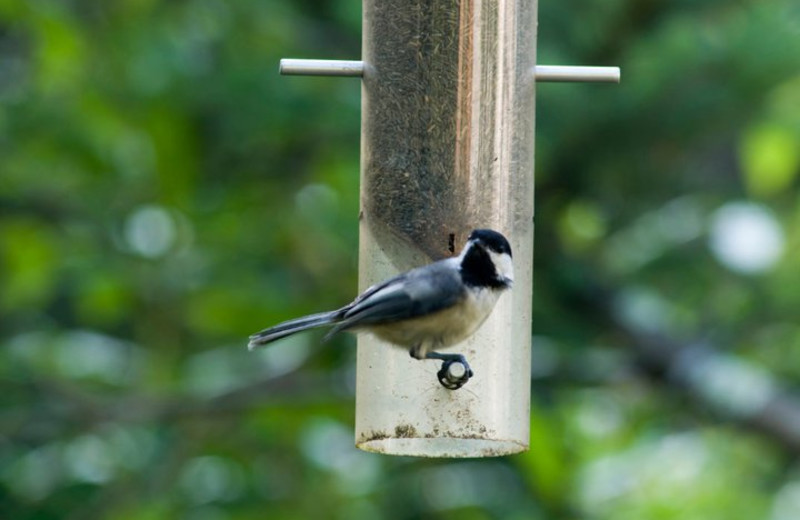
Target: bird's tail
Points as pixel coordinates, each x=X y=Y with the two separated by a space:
x=287 y=328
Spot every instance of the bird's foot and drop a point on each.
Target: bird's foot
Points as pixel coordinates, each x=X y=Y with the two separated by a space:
x=454 y=374
x=455 y=371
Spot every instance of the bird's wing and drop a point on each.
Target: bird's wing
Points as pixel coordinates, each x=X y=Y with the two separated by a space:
x=416 y=293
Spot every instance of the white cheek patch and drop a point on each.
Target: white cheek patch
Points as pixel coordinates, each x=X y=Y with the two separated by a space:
x=503 y=264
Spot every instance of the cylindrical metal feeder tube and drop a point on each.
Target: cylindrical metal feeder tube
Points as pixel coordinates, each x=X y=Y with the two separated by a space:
x=447 y=146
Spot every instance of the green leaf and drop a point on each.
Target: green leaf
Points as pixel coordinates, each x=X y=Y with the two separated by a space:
x=28 y=258
x=770 y=157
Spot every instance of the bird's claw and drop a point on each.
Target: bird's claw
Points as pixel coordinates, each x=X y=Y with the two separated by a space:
x=454 y=373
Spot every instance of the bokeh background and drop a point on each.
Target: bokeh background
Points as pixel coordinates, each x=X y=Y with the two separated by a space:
x=164 y=193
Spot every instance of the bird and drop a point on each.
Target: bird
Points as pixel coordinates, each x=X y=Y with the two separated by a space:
x=425 y=309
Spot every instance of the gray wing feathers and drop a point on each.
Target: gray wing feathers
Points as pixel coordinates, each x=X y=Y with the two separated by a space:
x=417 y=293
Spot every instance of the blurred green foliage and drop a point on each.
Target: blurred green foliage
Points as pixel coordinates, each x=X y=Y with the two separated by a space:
x=163 y=193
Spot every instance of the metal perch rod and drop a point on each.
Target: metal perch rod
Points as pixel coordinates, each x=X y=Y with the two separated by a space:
x=351 y=68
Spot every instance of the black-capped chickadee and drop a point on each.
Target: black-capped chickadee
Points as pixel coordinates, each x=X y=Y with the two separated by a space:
x=427 y=308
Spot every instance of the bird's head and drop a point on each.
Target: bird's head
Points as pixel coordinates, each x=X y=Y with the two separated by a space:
x=486 y=260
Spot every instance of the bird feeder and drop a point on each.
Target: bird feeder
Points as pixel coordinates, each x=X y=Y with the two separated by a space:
x=447 y=145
